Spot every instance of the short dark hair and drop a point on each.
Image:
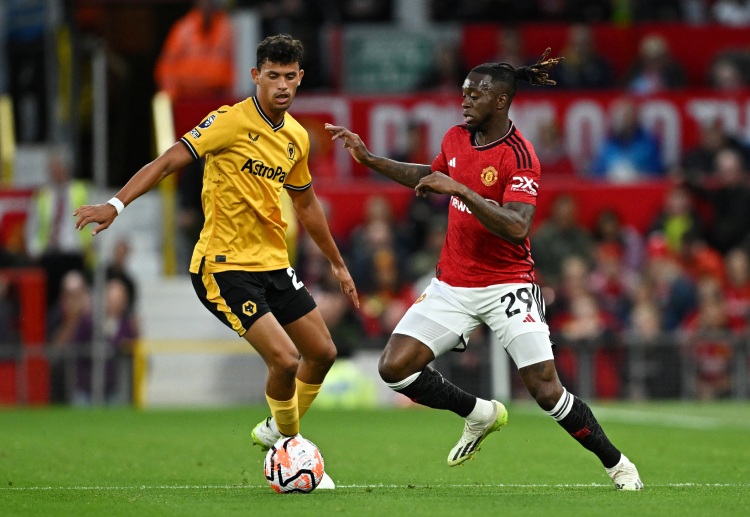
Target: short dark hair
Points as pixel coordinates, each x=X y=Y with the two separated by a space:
x=281 y=48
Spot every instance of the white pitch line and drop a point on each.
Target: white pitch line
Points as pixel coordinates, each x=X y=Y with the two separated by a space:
x=408 y=486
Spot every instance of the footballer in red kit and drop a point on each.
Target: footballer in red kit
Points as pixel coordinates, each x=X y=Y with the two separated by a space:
x=501 y=171
x=485 y=274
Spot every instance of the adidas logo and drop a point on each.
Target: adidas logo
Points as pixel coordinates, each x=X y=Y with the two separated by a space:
x=529 y=319
x=452 y=162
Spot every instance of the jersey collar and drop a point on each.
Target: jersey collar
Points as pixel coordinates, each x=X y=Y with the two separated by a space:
x=499 y=141
x=265 y=117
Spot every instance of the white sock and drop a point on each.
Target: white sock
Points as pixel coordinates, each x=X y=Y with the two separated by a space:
x=482 y=411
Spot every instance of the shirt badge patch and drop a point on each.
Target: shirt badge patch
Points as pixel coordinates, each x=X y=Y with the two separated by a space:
x=195 y=133
x=291 y=151
x=489 y=176
x=207 y=122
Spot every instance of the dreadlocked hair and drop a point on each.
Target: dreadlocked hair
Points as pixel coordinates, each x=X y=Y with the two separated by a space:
x=536 y=74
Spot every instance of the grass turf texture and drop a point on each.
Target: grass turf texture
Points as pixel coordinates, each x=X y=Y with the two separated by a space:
x=693 y=458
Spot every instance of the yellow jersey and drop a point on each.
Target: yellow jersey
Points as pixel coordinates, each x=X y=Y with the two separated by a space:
x=249 y=161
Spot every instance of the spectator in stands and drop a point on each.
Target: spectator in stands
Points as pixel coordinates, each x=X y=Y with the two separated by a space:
x=120 y=329
x=711 y=340
x=302 y=19
x=51 y=240
x=630 y=151
x=609 y=230
x=197 y=59
x=612 y=283
x=584 y=67
x=730 y=72
x=446 y=72
x=378 y=231
x=669 y=286
x=729 y=197
x=655 y=70
x=366 y=10
x=699 y=260
x=737 y=287
x=698 y=162
x=510 y=48
x=65 y=319
x=735 y=13
x=557 y=238
x=677 y=217
x=550 y=149
x=118 y=269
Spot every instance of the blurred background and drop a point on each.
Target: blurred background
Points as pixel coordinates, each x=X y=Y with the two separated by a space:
x=641 y=235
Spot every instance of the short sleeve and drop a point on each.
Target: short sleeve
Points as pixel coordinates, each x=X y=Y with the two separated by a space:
x=215 y=133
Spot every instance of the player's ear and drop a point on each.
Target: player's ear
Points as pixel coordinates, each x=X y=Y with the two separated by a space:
x=255 y=74
x=301 y=74
x=503 y=101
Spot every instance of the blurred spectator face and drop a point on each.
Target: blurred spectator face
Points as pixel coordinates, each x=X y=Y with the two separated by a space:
x=74 y=296
x=379 y=234
x=726 y=76
x=646 y=321
x=580 y=43
x=608 y=226
x=378 y=209
x=654 y=51
x=116 y=302
x=712 y=135
x=738 y=267
x=564 y=212
x=624 y=118
x=678 y=202
x=729 y=167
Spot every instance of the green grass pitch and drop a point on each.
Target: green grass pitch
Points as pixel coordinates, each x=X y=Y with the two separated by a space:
x=693 y=458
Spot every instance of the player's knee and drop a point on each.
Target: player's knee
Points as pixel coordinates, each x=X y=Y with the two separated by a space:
x=326 y=357
x=284 y=364
x=547 y=394
x=391 y=370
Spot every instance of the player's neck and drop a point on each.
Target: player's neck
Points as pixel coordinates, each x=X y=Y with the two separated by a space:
x=493 y=133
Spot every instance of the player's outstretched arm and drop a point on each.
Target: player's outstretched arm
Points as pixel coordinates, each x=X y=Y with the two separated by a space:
x=311 y=215
x=512 y=221
x=173 y=159
x=407 y=174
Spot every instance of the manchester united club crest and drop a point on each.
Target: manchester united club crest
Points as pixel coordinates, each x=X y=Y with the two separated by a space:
x=489 y=176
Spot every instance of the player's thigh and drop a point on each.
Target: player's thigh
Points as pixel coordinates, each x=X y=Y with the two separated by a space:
x=311 y=337
x=530 y=348
x=438 y=320
x=272 y=343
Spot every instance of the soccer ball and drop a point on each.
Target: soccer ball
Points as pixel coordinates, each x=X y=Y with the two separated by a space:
x=293 y=464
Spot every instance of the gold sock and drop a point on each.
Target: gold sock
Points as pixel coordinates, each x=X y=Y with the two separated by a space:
x=306 y=393
x=286 y=415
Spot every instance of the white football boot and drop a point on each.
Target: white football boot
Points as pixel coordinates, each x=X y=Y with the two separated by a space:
x=265 y=434
x=475 y=433
x=326 y=483
x=625 y=475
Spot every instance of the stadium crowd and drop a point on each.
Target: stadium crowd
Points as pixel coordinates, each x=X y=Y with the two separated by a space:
x=636 y=308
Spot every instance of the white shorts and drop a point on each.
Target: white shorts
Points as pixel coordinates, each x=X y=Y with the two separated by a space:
x=444 y=317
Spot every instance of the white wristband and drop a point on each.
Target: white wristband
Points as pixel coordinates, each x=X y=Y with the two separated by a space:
x=119 y=205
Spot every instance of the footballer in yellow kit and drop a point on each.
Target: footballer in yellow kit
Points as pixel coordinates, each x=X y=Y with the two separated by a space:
x=249 y=160
x=240 y=266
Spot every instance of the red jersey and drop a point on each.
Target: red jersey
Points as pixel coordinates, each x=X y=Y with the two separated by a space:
x=502 y=171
